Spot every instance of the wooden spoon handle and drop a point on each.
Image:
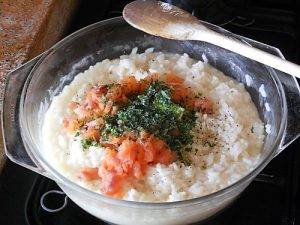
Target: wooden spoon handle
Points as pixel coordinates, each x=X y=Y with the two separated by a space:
x=247 y=51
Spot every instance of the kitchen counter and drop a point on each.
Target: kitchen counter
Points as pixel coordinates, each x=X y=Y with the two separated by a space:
x=27 y=28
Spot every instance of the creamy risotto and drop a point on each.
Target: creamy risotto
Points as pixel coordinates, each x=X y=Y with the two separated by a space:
x=205 y=132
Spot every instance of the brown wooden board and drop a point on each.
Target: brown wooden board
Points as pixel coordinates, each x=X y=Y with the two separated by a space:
x=27 y=28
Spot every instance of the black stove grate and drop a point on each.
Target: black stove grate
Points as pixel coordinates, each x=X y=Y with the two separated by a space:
x=70 y=215
x=273 y=198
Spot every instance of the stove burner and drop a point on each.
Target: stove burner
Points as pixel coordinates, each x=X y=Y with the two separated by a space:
x=48 y=194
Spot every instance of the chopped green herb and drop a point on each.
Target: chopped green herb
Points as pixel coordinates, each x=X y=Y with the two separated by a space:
x=199 y=94
x=86 y=143
x=252 y=129
x=162 y=101
x=110 y=85
x=77 y=134
x=153 y=112
x=95 y=144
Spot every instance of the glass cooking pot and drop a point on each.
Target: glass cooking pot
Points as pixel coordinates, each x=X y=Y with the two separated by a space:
x=31 y=88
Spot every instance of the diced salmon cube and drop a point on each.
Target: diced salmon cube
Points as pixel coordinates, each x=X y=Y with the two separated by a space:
x=130 y=85
x=204 y=105
x=73 y=105
x=115 y=94
x=137 y=170
x=89 y=173
x=71 y=124
x=128 y=151
x=111 y=183
x=165 y=157
x=92 y=133
x=101 y=89
x=173 y=79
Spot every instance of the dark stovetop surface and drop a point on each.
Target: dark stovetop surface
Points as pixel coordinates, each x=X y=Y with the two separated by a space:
x=272 y=199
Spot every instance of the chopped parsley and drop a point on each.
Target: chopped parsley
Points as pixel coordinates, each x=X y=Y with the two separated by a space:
x=110 y=85
x=252 y=129
x=77 y=133
x=199 y=94
x=154 y=112
x=86 y=143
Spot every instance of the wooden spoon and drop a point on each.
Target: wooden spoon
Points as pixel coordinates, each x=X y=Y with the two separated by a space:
x=168 y=21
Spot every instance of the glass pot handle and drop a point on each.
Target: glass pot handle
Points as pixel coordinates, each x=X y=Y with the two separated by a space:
x=292 y=94
x=14 y=146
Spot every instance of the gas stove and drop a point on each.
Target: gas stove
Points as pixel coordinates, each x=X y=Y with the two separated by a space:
x=272 y=199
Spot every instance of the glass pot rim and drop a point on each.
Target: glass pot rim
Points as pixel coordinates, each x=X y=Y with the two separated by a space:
x=37 y=157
